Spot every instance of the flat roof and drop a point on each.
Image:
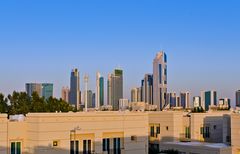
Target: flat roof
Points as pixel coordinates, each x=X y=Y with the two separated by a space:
x=200 y=144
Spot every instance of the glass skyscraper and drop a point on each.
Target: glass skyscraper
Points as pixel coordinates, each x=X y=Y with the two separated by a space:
x=99 y=90
x=115 y=88
x=42 y=89
x=147 y=89
x=209 y=98
x=160 y=80
x=47 y=90
x=75 y=94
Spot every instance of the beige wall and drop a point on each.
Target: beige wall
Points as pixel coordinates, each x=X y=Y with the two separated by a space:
x=235 y=133
x=39 y=130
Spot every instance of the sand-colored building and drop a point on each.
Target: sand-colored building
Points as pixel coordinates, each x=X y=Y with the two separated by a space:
x=61 y=133
x=120 y=132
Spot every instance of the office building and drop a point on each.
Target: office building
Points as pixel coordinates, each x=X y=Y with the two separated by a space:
x=208 y=98
x=99 y=90
x=172 y=99
x=47 y=90
x=115 y=88
x=75 y=94
x=42 y=89
x=94 y=100
x=224 y=103
x=123 y=104
x=136 y=95
x=238 y=98
x=185 y=100
x=147 y=89
x=65 y=94
x=160 y=80
x=34 y=87
x=196 y=101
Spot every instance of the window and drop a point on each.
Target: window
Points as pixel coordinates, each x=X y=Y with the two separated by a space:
x=87 y=146
x=106 y=145
x=158 y=130
x=152 y=131
x=160 y=73
x=16 y=148
x=74 y=147
x=167 y=128
x=133 y=138
x=187 y=132
x=214 y=127
x=117 y=145
x=207 y=135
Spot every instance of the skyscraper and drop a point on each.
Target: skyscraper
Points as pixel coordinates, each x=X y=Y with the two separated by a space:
x=147 y=89
x=34 y=87
x=209 y=98
x=185 y=99
x=75 y=94
x=42 y=89
x=47 y=90
x=115 y=88
x=99 y=90
x=238 y=98
x=65 y=94
x=196 y=101
x=172 y=99
x=136 y=95
x=160 y=80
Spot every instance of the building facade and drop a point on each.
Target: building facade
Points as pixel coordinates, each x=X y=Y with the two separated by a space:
x=99 y=90
x=65 y=94
x=75 y=93
x=64 y=133
x=160 y=80
x=42 y=89
x=238 y=98
x=208 y=98
x=115 y=88
x=147 y=89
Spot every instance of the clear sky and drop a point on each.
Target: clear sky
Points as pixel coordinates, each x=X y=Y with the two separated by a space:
x=42 y=40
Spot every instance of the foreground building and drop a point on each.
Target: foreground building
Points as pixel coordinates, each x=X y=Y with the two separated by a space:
x=62 y=133
x=215 y=132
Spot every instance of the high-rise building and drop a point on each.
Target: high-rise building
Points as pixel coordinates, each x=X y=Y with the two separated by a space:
x=224 y=103
x=115 y=88
x=185 y=100
x=238 y=98
x=99 y=90
x=172 y=99
x=196 y=101
x=42 y=89
x=123 y=104
x=160 y=80
x=65 y=94
x=75 y=94
x=147 y=89
x=34 y=87
x=136 y=95
x=89 y=99
x=208 y=98
x=47 y=90
x=94 y=100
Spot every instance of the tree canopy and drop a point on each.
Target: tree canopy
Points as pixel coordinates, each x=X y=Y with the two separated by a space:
x=21 y=103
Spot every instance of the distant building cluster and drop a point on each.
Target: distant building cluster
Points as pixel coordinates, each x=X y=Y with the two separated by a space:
x=153 y=91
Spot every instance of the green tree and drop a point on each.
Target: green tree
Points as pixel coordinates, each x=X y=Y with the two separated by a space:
x=38 y=104
x=3 y=104
x=19 y=103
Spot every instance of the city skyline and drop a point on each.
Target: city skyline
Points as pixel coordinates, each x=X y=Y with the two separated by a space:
x=201 y=42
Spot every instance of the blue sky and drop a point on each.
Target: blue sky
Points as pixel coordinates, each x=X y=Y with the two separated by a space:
x=42 y=40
